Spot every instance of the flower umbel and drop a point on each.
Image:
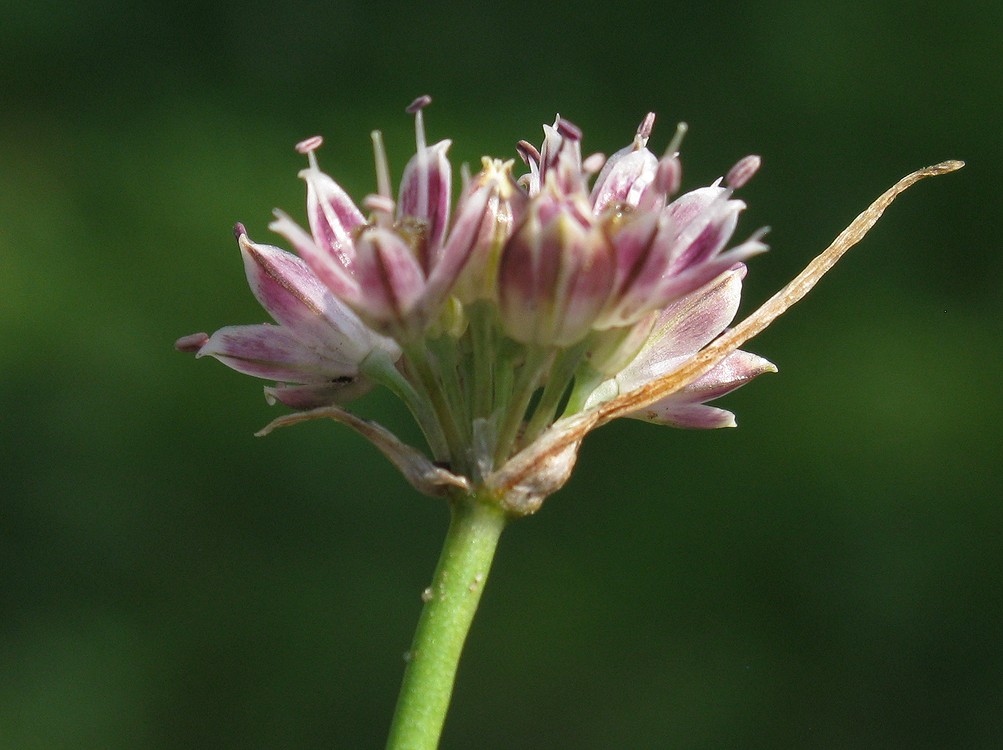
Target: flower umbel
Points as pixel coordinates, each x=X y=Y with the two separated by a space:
x=547 y=301
x=546 y=305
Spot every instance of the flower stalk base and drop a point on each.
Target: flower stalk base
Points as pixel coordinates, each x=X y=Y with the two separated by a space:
x=451 y=601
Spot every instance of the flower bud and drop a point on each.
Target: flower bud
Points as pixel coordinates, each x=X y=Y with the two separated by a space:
x=555 y=274
x=425 y=190
x=626 y=173
x=693 y=234
x=743 y=171
x=491 y=206
x=331 y=213
x=391 y=281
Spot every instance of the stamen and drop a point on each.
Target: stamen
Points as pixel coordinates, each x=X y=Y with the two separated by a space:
x=308 y=146
x=419 y=122
x=668 y=175
x=593 y=163
x=418 y=104
x=528 y=152
x=238 y=231
x=568 y=129
x=382 y=169
x=191 y=343
x=677 y=139
x=379 y=204
x=743 y=171
x=644 y=131
x=415 y=108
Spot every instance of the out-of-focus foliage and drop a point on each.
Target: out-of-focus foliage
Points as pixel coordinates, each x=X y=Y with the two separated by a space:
x=827 y=575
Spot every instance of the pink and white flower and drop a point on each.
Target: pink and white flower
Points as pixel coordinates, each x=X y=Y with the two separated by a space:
x=680 y=331
x=318 y=345
x=545 y=307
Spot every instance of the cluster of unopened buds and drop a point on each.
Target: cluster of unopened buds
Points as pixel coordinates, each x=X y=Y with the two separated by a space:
x=544 y=306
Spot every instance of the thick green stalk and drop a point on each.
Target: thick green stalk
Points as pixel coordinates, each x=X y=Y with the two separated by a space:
x=450 y=604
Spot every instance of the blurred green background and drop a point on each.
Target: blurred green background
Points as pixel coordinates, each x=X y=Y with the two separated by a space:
x=828 y=575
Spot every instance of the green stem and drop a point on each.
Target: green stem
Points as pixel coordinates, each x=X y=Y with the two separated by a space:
x=445 y=350
x=483 y=354
x=431 y=383
x=557 y=385
x=527 y=381
x=381 y=369
x=450 y=604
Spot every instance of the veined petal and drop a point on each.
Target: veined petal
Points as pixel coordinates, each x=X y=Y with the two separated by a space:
x=685 y=327
x=287 y=288
x=685 y=408
x=274 y=353
x=489 y=209
x=561 y=157
x=584 y=289
x=390 y=279
x=686 y=251
x=686 y=416
x=313 y=395
x=624 y=178
x=734 y=371
x=693 y=278
x=704 y=237
x=640 y=265
x=425 y=193
x=554 y=277
x=327 y=267
x=332 y=215
x=689 y=206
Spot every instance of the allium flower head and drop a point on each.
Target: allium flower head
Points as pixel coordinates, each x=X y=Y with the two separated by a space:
x=542 y=307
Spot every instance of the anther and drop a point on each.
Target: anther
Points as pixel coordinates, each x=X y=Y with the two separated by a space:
x=310 y=144
x=568 y=129
x=192 y=343
x=528 y=152
x=379 y=204
x=743 y=171
x=644 y=129
x=593 y=163
x=418 y=104
x=238 y=231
